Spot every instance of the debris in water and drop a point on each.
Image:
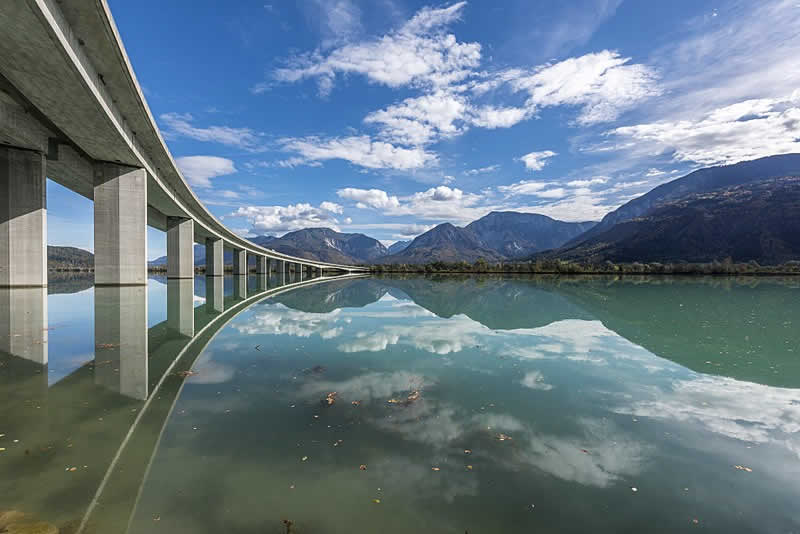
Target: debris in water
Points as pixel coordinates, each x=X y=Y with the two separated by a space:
x=289 y=524
x=413 y=397
x=503 y=437
x=330 y=398
x=356 y=403
x=376 y=501
x=338 y=442
x=304 y=458
x=435 y=469
x=362 y=467
x=259 y=350
x=467 y=451
x=743 y=468
x=105 y=346
x=186 y=374
x=469 y=468
x=634 y=490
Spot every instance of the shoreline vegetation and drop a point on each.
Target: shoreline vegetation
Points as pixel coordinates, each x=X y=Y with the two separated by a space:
x=725 y=267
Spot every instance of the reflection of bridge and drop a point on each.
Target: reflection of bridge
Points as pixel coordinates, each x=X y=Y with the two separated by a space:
x=71 y=110
x=125 y=395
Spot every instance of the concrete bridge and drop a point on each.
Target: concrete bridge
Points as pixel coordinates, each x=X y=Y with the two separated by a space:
x=72 y=110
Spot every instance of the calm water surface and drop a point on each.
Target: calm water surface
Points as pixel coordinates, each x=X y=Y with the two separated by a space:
x=458 y=405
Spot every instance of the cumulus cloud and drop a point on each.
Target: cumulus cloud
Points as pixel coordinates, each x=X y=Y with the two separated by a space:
x=420 y=120
x=332 y=207
x=369 y=198
x=180 y=125
x=276 y=219
x=746 y=130
x=359 y=150
x=524 y=187
x=419 y=53
x=199 y=170
x=535 y=161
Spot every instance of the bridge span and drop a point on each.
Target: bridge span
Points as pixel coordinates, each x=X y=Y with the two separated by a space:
x=72 y=110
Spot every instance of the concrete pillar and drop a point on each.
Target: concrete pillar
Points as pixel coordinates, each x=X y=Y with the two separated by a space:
x=215 y=294
x=239 y=262
x=215 y=256
x=261 y=264
x=302 y=271
x=180 y=248
x=23 y=323
x=180 y=305
x=239 y=286
x=120 y=334
x=282 y=271
x=23 y=218
x=120 y=225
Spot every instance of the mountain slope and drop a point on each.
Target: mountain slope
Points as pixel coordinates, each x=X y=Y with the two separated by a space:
x=756 y=221
x=397 y=246
x=516 y=235
x=324 y=244
x=69 y=258
x=700 y=181
x=444 y=242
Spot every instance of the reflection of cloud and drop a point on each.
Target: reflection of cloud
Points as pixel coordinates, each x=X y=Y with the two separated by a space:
x=368 y=386
x=609 y=455
x=280 y=320
x=739 y=410
x=535 y=380
x=210 y=372
x=438 y=336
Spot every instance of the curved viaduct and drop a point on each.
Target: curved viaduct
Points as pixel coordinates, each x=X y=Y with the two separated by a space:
x=72 y=110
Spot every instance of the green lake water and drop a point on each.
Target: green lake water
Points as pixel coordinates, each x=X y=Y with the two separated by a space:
x=459 y=404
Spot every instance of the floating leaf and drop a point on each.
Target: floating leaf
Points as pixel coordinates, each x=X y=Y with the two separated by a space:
x=362 y=467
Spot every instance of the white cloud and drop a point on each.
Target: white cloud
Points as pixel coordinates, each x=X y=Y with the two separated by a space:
x=332 y=207
x=603 y=84
x=482 y=170
x=199 y=170
x=598 y=180
x=276 y=219
x=359 y=150
x=499 y=117
x=523 y=187
x=535 y=161
x=178 y=124
x=420 y=53
x=420 y=120
x=742 y=131
x=369 y=198
x=340 y=19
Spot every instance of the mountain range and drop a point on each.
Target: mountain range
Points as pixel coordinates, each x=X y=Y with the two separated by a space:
x=749 y=211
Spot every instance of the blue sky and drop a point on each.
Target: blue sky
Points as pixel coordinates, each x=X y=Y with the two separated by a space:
x=390 y=116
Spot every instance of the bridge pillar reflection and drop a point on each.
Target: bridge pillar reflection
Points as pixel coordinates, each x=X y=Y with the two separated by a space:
x=239 y=262
x=23 y=323
x=120 y=334
x=180 y=305
x=23 y=218
x=215 y=265
x=240 y=286
x=215 y=294
x=120 y=225
x=180 y=248
x=261 y=264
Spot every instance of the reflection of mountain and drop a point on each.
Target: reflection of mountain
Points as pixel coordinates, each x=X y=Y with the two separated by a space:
x=324 y=298
x=498 y=303
x=68 y=282
x=719 y=327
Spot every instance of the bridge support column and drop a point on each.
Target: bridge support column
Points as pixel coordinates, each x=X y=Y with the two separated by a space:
x=120 y=225
x=120 y=335
x=23 y=323
x=215 y=265
x=261 y=265
x=239 y=286
x=215 y=294
x=180 y=248
x=239 y=262
x=23 y=218
x=180 y=305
